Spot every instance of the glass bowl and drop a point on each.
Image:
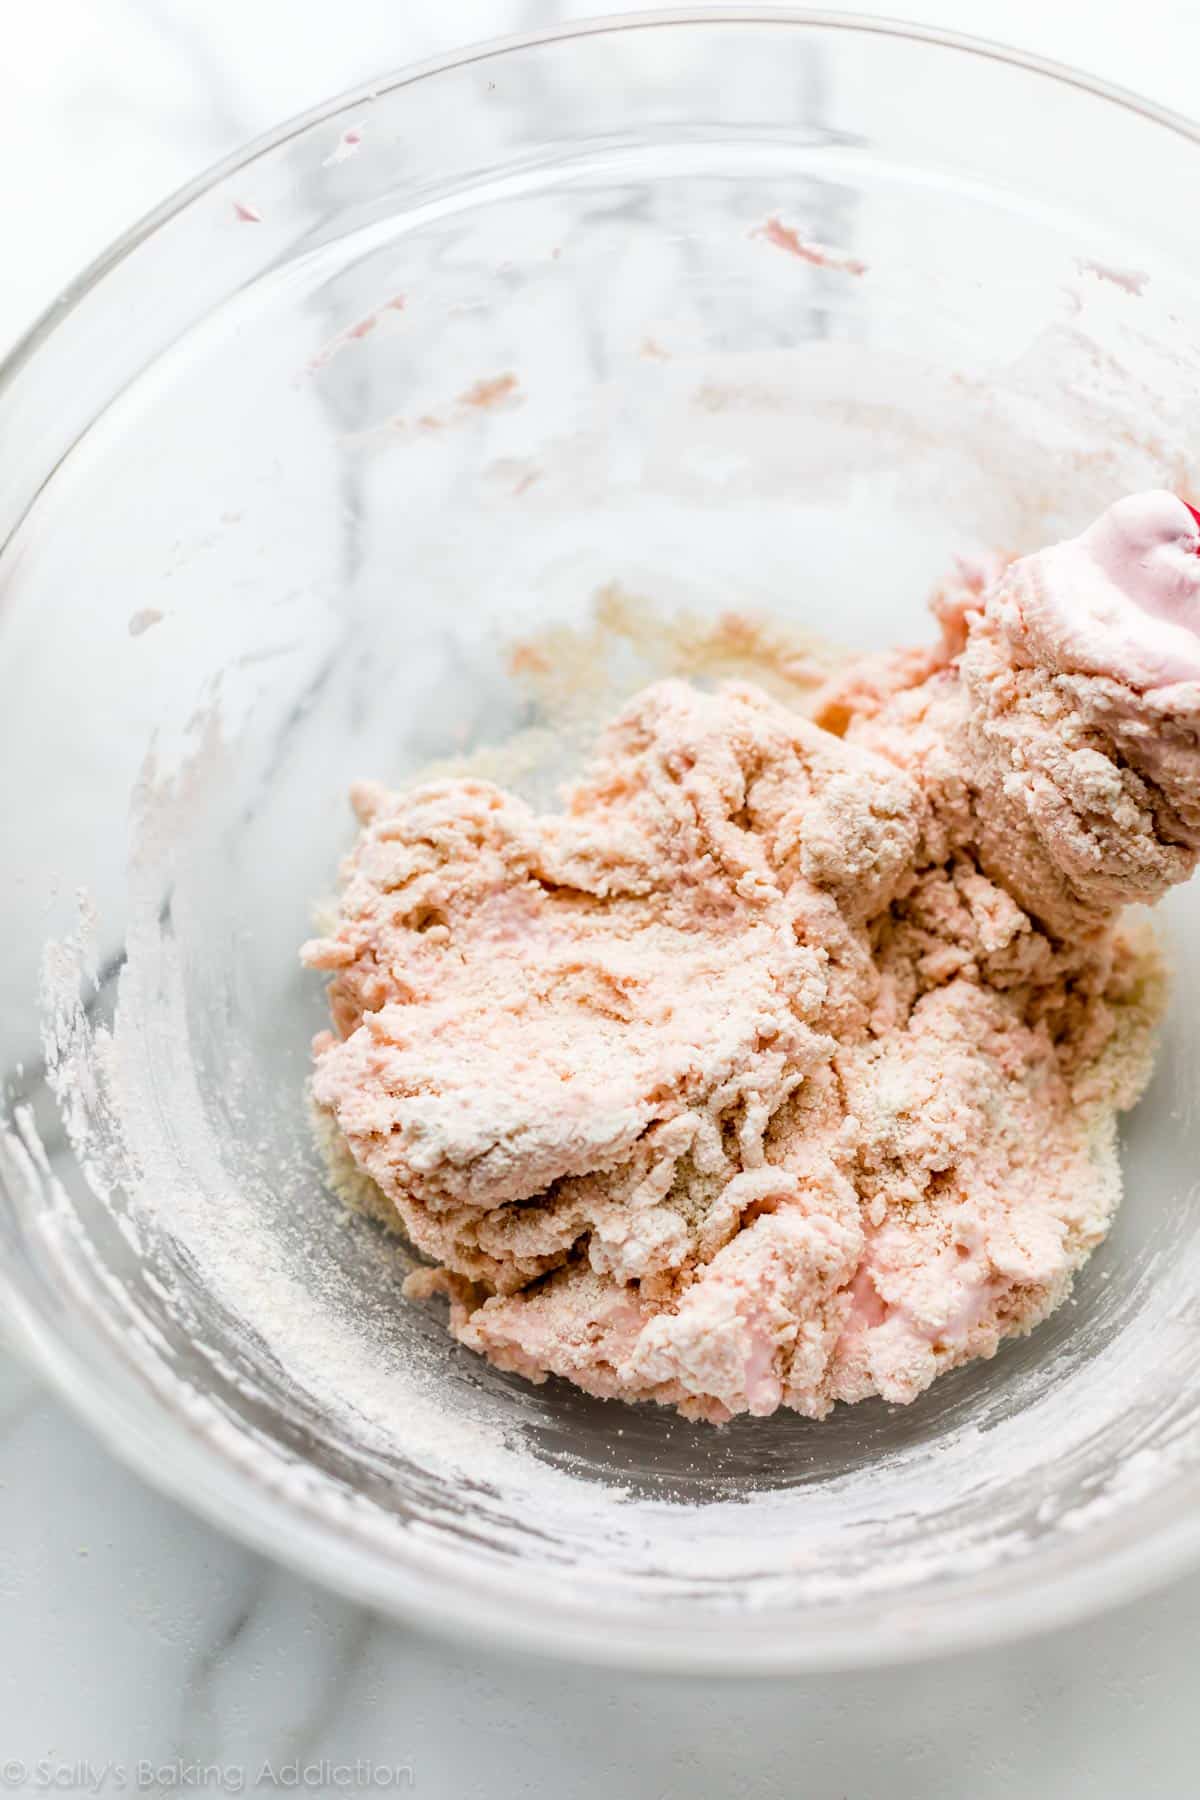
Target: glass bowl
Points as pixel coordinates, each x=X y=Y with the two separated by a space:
x=560 y=342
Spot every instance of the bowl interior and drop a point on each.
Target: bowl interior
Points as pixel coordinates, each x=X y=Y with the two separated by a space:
x=434 y=429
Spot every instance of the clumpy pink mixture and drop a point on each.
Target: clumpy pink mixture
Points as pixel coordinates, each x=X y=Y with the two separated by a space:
x=782 y=1066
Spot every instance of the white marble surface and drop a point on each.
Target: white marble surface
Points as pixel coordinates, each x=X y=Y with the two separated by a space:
x=142 y=1652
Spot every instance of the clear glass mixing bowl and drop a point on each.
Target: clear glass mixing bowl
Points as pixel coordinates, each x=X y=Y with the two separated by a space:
x=285 y=477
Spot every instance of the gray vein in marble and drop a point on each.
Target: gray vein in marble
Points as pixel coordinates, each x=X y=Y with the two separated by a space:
x=318 y=1642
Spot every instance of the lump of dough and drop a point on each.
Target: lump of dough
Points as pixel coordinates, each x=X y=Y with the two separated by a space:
x=781 y=1066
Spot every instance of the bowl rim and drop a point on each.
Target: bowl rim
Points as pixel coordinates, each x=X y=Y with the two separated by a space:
x=231 y=1495
x=599 y=25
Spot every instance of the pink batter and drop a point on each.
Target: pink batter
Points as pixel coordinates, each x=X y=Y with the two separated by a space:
x=782 y=1067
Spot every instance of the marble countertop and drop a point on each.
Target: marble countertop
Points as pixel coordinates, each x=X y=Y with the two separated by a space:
x=140 y=1651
